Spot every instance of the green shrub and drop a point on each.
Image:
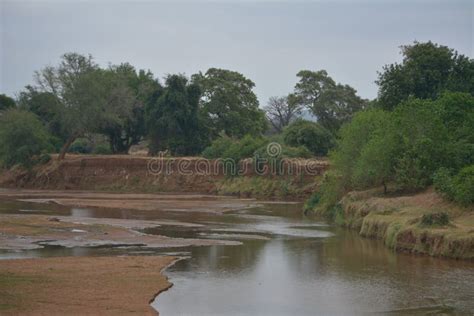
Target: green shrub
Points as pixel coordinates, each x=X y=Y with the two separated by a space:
x=312 y=202
x=218 y=147
x=458 y=188
x=310 y=135
x=102 y=149
x=22 y=138
x=81 y=146
x=442 y=181
x=463 y=186
x=44 y=158
x=435 y=219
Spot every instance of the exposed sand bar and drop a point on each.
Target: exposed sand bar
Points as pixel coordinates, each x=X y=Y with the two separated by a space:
x=82 y=285
x=35 y=231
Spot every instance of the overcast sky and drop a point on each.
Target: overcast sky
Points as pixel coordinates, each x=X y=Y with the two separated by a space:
x=269 y=42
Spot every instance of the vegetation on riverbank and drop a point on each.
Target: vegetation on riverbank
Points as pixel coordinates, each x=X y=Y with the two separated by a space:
x=419 y=133
x=422 y=223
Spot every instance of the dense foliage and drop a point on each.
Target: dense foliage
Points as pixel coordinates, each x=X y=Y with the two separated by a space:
x=407 y=148
x=173 y=118
x=333 y=104
x=427 y=70
x=310 y=135
x=22 y=139
x=229 y=103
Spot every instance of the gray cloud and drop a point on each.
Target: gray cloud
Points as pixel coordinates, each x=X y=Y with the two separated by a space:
x=267 y=41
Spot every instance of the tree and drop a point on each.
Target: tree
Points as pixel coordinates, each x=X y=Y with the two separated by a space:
x=332 y=103
x=129 y=129
x=426 y=71
x=310 y=135
x=173 y=120
x=281 y=111
x=22 y=138
x=88 y=95
x=48 y=108
x=229 y=104
x=6 y=102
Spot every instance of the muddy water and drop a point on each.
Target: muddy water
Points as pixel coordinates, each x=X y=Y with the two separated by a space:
x=287 y=265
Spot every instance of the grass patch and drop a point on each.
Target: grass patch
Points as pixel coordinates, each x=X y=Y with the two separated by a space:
x=435 y=219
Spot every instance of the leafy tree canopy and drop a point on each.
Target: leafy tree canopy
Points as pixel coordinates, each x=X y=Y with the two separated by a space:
x=427 y=70
x=332 y=103
x=229 y=103
x=90 y=98
x=22 y=138
x=310 y=135
x=129 y=128
x=173 y=120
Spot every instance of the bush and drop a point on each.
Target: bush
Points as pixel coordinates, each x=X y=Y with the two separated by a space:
x=309 y=134
x=218 y=147
x=312 y=202
x=44 y=159
x=442 y=181
x=435 y=219
x=81 y=146
x=22 y=139
x=102 y=149
x=463 y=186
x=459 y=188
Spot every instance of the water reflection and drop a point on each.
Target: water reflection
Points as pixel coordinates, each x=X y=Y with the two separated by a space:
x=304 y=275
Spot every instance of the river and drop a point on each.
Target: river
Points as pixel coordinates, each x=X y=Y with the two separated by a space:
x=288 y=264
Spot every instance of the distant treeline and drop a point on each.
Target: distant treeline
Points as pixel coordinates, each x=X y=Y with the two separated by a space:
x=418 y=130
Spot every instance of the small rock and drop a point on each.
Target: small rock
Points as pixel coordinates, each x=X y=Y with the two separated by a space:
x=53 y=219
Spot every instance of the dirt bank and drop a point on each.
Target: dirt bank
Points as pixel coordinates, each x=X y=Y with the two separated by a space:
x=81 y=285
x=398 y=222
x=150 y=175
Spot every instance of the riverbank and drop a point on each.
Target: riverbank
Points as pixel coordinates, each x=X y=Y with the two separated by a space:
x=82 y=285
x=134 y=174
x=423 y=223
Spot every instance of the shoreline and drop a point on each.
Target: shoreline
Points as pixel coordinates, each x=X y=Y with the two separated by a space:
x=398 y=222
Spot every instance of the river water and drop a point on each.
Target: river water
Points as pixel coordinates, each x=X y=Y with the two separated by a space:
x=288 y=264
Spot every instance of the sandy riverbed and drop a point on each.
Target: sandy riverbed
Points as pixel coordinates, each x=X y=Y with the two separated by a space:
x=82 y=285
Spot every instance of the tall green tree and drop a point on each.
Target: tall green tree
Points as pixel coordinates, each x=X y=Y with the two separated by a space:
x=129 y=129
x=89 y=96
x=332 y=103
x=48 y=109
x=229 y=104
x=427 y=70
x=173 y=120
